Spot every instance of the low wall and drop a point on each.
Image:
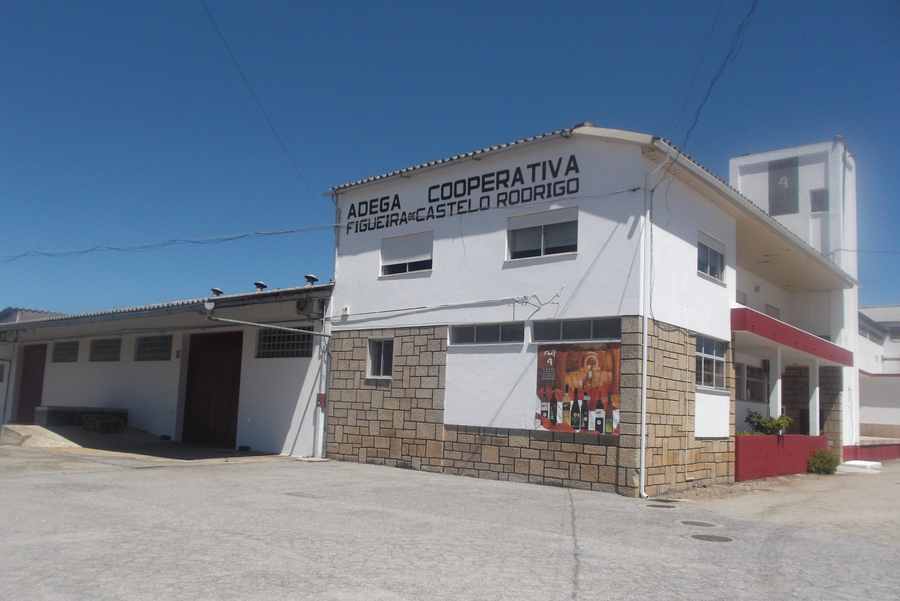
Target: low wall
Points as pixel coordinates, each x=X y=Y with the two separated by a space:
x=875 y=452
x=766 y=456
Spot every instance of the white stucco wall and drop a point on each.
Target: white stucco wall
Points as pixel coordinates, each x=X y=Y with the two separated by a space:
x=879 y=400
x=147 y=389
x=712 y=414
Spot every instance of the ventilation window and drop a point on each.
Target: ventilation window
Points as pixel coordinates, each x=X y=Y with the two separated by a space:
x=406 y=254
x=818 y=200
x=106 y=349
x=65 y=352
x=278 y=344
x=153 y=348
x=489 y=333
x=578 y=329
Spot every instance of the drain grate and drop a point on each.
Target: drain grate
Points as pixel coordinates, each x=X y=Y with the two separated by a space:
x=660 y=506
x=666 y=501
x=712 y=538
x=697 y=523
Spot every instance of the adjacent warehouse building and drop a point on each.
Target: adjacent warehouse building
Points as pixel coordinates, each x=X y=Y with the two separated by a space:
x=229 y=371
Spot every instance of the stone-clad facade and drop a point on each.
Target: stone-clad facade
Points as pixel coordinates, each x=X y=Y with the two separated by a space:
x=399 y=422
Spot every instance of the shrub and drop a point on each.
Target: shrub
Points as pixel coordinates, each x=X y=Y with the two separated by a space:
x=768 y=425
x=823 y=461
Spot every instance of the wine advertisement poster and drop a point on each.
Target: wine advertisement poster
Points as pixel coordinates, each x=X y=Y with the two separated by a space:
x=578 y=388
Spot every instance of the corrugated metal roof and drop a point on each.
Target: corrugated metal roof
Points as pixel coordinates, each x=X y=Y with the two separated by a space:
x=247 y=297
x=457 y=157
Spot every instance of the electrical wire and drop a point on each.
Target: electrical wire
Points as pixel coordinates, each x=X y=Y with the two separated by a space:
x=246 y=81
x=101 y=248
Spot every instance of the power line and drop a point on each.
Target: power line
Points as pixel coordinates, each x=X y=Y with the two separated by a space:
x=103 y=248
x=250 y=88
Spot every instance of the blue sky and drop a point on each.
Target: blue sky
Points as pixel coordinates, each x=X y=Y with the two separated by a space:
x=125 y=122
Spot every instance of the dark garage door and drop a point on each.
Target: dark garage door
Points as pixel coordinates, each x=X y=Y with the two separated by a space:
x=213 y=388
x=31 y=384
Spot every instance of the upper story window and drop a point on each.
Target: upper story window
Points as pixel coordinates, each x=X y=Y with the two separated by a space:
x=710 y=363
x=540 y=234
x=577 y=329
x=488 y=333
x=153 y=348
x=773 y=311
x=405 y=254
x=106 y=349
x=784 y=198
x=279 y=344
x=65 y=352
x=381 y=358
x=818 y=200
x=710 y=257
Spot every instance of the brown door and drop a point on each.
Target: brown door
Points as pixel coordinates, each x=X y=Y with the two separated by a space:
x=213 y=388
x=31 y=384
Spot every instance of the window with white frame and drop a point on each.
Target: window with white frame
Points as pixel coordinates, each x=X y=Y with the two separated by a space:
x=710 y=257
x=488 y=333
x=750 y=383
x=577 y=329
x=541 y=234
x=710 y=363
x=381 y=358
x=406 y=254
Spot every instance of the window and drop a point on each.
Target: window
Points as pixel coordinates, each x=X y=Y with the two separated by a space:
x=106 y=349
x=710 y=257
x=65 y=352
x=405 y=254
x=381 y=358
x=578 y=329
x=755 y=385
x=818 y=200
x=783 y=191
x=153 y=348
x=710 y=363
x=894 y=333
x=488 y=333
x=773 y=311
x=279 y=344
x=539 y=234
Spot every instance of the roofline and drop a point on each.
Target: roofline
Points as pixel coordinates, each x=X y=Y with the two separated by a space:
x=871 y=323
x=167 y=308
x=814 y=148
x=748 y=207
x=471 y=155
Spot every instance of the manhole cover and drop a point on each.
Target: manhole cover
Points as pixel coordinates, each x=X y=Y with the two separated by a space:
x=712 y=538
x=660 y=506
x=302 y=495
x=666 y=501
x=696 y=523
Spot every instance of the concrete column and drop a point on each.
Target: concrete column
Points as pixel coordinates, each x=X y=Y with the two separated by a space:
x=814 y=398
x=775 y=370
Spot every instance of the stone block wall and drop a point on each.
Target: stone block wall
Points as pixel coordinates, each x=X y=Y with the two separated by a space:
x=400 y=422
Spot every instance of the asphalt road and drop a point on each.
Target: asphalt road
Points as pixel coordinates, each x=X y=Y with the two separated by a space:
x=100 y=526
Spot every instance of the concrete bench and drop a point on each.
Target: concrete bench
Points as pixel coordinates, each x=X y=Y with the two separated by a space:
x=96 y=419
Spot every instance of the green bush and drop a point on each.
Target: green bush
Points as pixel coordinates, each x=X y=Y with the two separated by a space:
x=768 y=425
x=823 y=461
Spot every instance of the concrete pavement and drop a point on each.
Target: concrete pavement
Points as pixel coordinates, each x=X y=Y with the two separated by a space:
x=81 y=525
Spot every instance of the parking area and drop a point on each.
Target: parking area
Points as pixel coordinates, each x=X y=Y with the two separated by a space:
x=81 y=524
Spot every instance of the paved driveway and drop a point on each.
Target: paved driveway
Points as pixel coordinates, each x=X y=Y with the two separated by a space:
x=97 y=526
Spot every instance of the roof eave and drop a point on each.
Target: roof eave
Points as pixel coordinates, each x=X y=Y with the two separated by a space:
x=747 y=206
